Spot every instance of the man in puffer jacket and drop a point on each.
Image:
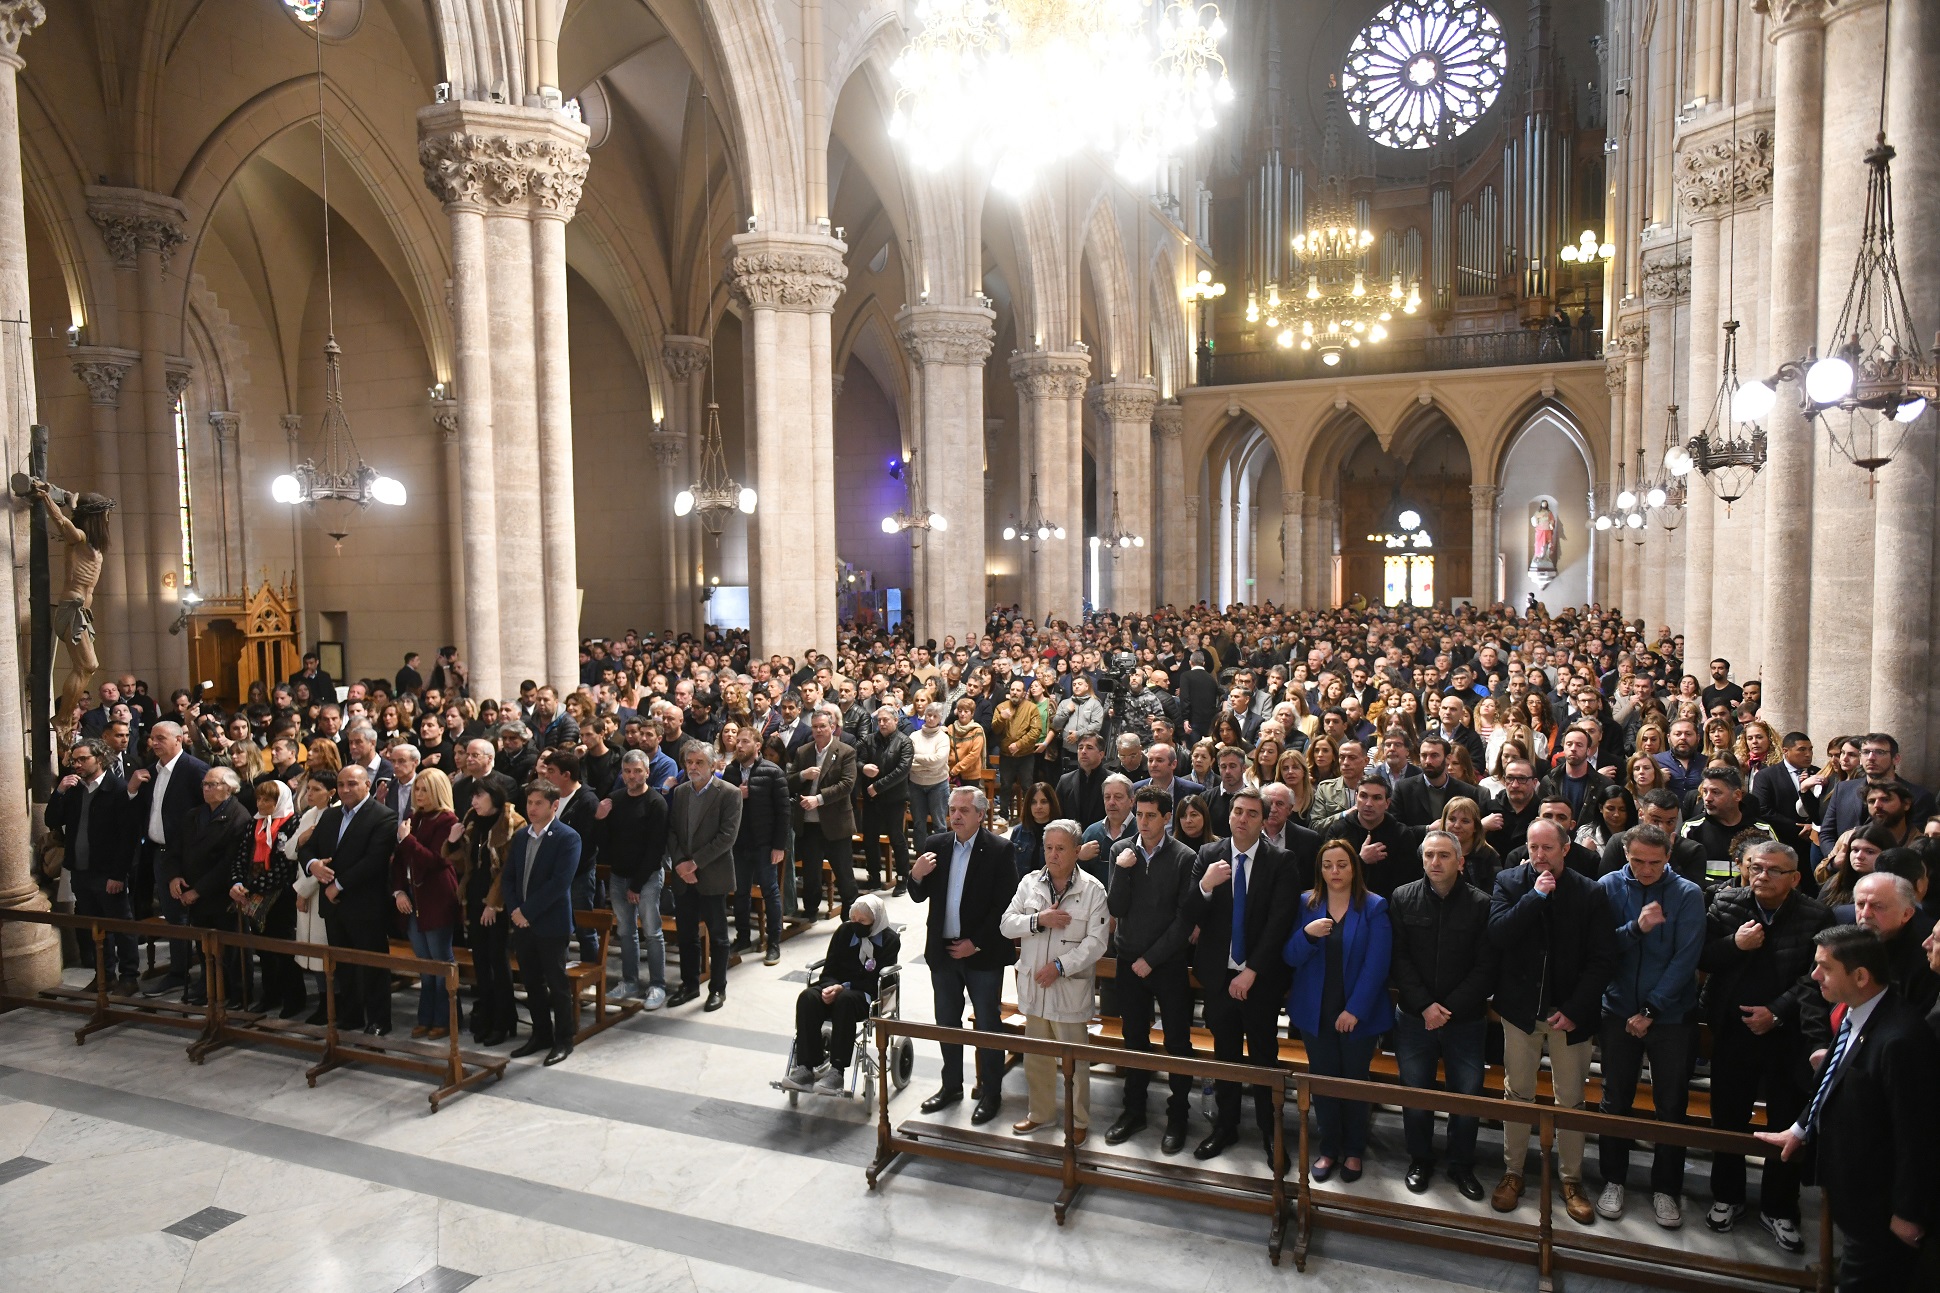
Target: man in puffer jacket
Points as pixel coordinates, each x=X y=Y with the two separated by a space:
x=1060 y=917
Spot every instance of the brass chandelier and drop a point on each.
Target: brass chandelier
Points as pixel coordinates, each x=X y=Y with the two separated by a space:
x=1327 y=305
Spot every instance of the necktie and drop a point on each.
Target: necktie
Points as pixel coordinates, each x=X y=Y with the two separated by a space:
x=1811 y=1122
x=81 y=849
x=1239 y=909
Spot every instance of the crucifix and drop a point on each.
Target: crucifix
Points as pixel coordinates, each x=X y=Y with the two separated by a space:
x=81 y=522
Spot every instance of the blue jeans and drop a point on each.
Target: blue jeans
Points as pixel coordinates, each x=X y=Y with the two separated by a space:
x=434 y=1004
x=1343 y=1123
x=586 y=897
x=1460 y=1048
x=950 y=983
x=629 y=918
x=933 y=802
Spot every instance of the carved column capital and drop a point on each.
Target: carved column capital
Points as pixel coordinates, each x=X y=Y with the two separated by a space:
x=685 y=357
x=101 y=369
x=1789 y=15
x=1630 y=339
x=226 y=425
x=17 y=19
x=1169 y=420
x=178 y=373
x=493 y=157
x=1290 y=502
x=668 y=447
x=804 y=273
x=1484 y=495
x=1128 y=402
x=1051 y=374
x=1667 y=277
x=1192 y=507
x=946 y=334
x=1721 y=171
x=1613 y=366
x=292 y=424
x=444 y=415
x=133 y=221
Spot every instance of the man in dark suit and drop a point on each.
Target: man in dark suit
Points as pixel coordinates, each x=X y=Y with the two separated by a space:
x=320 y=684
x=1418 y=801
x=1845 y=807
x=1776 y=796
x=409 y=681
x=90 y=809
x=579 y=809
x=1871 y=1130
x=822 y=778
x=1243 y=897
x=703 y=821
x=1081 y=791
x=1199 y=697
x=540 y=863
x=884 y=757
x=349 y=853
x=966 y=876
x=162 y=798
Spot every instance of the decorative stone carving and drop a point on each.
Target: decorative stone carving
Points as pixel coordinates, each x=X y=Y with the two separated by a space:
x=1046 y=374
x=542 y=175
x=685 y=357
x=1630 y=339
x=1667 y=279
x=1719 y=173
x=946 y=334
x=178 y=373
x=1482 y=496
x=1290 y=504
x=226 y=425
x=292 y=424
x=444 y=414
x=769 y=272
x=132 y=221
x=102 y=369
x=1613 y=366
x=1124 y=402
x=17 y=19
x=1169 y=420
x=668 y=446
x=1785 y=13
x=1192 y=507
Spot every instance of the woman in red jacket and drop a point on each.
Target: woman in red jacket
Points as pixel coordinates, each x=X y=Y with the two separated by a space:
x=427 y=892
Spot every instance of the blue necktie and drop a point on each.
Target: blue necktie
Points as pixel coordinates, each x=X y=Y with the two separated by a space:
x=1239 y=909
x=1811 y=1123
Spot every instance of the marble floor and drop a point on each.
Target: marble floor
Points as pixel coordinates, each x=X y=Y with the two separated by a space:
x=658 y=1157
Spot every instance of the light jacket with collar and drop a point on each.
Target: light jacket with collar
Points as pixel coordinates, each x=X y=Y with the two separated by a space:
x=1076 y=947
x=1659 y=967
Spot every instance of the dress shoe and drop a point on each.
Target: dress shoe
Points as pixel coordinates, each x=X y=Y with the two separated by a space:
x=193 y=998
x=1419 y=1174
x=715 y=1000
x=941 y=1100
x=377 y=1030
x=900 y=889
x=1214 y=1144
x=1508 y=1195
x=1174 y=1139
x=1322 y=1169
x=1127 y=1125
x=532 y=1047
x=489 y=1039
x=772 y=956
x=1349 y=1174
x=438 y=1034
x=1578 y=1204
x=557 y=1054
x=985 y=1111
x=1026 y=1126
x=1464 y=1180
x=1078 y=1136
x=742 y=945
x=420 y=1030
x=684 y=995
x=126 y=986
x=318 y=1017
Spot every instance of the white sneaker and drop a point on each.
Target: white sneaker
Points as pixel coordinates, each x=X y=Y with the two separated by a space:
x=801 y=1076
x=1723 y=1216
x=832 y=1082
x=1665 y=1207
x=1786 y=1233
x=628 y=992
x=1609 y=1204
x=656 y=997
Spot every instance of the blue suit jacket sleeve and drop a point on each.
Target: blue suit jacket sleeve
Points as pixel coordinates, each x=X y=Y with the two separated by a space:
x=558 y=863
x=1368 y=994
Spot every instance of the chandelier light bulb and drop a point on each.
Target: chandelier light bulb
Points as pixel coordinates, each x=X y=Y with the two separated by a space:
x=1603 y=522
x=1656 y=498
x=747 y=500
x=889 y=525
x=1010 y=532
x=1043 y=531
x=1635 y=520
x=1058 y=531
x=1829 y=380
x=1753 y=401
x=1626 y=500
x=1678 y=461
x=284 y=489
x=938 y=523
x=684 y=502
x=1331 y=358
x=1910 y=411
x=388 y=491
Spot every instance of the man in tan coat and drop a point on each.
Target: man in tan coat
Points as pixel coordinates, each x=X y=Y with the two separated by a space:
x=1018 y=726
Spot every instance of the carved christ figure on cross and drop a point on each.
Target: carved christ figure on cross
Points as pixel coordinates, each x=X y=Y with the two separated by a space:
x=86 y=535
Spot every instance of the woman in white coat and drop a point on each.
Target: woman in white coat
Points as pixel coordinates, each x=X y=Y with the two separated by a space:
x=1060 y=918
x=319 y=792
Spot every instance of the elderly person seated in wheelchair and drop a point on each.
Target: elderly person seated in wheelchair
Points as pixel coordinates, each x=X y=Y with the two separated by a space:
x=842 y=995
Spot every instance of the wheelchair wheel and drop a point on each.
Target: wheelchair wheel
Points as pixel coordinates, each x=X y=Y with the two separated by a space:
x=867 y=1081
x=902 y=1062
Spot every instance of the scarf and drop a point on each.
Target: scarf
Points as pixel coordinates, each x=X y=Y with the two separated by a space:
x=868 y=943
x=267 y=826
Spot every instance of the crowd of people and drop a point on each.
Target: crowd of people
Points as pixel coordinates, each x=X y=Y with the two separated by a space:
x=1461 y=838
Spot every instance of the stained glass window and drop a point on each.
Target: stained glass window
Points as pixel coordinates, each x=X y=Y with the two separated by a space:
x=305 y=10
x=1424 y=70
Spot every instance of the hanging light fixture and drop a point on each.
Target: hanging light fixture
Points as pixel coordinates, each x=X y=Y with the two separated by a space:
x=915 y=517
x=342 y=483
x=714 y=496
x=1118 y=538
x=1035 y=528
x=1729 y=453
x=1327 y=305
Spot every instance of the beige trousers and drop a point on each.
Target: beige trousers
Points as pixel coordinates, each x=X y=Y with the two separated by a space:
x=1522 y=1055
x=1042 y=1075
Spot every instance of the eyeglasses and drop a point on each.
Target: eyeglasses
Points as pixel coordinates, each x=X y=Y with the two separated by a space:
x=1759 y=868
x=1515 y=777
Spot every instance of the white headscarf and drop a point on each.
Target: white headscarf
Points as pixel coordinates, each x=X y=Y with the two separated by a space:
x=878 y=912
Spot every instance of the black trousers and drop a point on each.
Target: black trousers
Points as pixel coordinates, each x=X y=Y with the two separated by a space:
x=494 y=1010
x=882 y=816
x=811 y=849
x=1745 y=1065
x=1169 y=987
x=753 y=870
x=1875 y=1261
x=363 y=992
x=843 y=1015
x=91 y=898
x=1244 y=1032
x=692 y=909
x=282 y=977
x=548 y=992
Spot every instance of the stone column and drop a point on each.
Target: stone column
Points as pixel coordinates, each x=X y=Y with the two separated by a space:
x=685 y=360
x=444 y=414
x=1126 y=408
x=1191 y=577
x=1904 y=520
x=947 y=346
x=669 y=457
x=1310 y=572
x=1293 y=548
x=1483 y=500
x=1051 y=385
x=102 y=369
x=33 y=953
x=789 y=284
x=227 y=429
x=510 y=178
x=1178 y=549
x=1327 y=517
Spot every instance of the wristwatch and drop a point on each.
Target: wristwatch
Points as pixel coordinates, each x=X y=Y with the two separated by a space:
x=1649 y=1011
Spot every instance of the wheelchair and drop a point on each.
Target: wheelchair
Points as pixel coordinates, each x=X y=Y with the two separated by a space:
x=862 y=1074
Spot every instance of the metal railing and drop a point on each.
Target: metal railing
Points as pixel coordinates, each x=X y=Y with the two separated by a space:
x=1456 y=350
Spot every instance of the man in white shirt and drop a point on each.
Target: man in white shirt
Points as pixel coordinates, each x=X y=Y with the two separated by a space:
x=164 y=796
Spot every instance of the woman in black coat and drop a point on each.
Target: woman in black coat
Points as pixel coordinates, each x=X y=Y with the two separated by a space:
x=842 y=994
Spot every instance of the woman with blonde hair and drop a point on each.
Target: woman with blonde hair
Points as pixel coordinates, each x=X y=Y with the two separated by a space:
x=1643 y=774
x=426 y=891
x=1757 y=746
x=1265 y=763
x=476 y=849
x=1293 y=774
x=1462 y=818
x=1651 y=739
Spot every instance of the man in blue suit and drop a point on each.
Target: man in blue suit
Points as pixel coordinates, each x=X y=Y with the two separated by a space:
x=539 y=870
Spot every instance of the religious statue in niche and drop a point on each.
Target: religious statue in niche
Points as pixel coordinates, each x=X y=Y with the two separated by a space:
x=1545 y=541
x=86 y=535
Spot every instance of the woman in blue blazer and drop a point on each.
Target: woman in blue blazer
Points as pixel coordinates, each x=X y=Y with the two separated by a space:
x=1340 y=950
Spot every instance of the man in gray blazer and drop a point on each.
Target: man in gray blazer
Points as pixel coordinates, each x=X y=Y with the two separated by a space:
x=703 y=820
x=823 y=779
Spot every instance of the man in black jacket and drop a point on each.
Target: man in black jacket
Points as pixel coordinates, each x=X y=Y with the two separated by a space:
x=1444 y=968
x=633 y=840
x=578 y=808
x=1147 y=897
x=1758 y=949
x=90 y=809
x=1506 y=816
x=1574 y=779
x=349 y=853
x=1081 y=791
x=762 y=842
x=1776 y=795
x=162 y=796
x=210 y=841
x=1386 y=845
x=1419 y=800
x=1557 y=941
x=882 y=783
x=966 y=876
x=1243 y=898
x=1578 y=857
x=1870 y=1132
